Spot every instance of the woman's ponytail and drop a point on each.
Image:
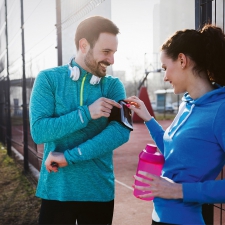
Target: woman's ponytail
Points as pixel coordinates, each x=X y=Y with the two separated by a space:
x=213 y=40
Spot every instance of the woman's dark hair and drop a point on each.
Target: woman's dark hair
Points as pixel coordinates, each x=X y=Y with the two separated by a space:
x=92 y=27
x=206 y=48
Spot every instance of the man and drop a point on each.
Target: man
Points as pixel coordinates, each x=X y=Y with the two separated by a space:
x=69 y=112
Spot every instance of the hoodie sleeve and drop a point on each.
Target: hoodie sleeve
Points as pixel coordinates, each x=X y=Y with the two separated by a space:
x=218 y=126
x=113 y=136
x=45 y=127
x=209 y=191
x=204 y=192
x=156 y=131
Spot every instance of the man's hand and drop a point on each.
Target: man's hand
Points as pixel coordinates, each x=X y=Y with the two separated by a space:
x=56 y=157
x=102 y=107
x=161 y=187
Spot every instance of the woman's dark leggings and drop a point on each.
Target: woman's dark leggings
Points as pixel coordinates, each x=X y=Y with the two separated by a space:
x=82 y=213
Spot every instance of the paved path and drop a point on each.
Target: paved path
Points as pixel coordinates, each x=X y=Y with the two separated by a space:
x=128 y=209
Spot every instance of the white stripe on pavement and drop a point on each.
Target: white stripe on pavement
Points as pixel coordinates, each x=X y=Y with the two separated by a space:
x=124 y=185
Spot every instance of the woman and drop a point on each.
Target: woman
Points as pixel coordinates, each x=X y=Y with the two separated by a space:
x=194 y=144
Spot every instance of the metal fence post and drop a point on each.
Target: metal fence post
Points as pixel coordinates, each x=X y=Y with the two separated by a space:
x=197 y=14
x=59 y=31
x=25 y=135
x=8 y=105
x=203 y=13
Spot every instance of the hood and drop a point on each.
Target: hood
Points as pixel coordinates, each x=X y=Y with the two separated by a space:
x=188 y=105
x=212 y=96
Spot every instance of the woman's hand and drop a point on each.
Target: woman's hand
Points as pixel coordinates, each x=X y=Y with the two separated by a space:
x=138 y=106
x=57 y=158
x=159 y=186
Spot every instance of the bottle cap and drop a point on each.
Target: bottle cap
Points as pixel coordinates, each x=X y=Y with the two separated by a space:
x=150 y=148
x=150 y=154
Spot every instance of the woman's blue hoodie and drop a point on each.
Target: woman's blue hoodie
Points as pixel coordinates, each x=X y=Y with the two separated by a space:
x=194 y=150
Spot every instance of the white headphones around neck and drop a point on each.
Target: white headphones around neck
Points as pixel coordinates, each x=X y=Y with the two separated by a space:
x=75 y=74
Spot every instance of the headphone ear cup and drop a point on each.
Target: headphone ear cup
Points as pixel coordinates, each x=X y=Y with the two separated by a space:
x=70 y=71
x=75 y=73
x=95 y=80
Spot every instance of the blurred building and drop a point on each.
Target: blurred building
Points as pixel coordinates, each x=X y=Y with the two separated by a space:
x=168 y=17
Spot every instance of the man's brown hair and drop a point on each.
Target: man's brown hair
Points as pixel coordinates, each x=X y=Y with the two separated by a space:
x=92 y=27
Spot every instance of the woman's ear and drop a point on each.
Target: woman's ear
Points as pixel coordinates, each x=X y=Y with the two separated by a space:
x=84 y=45
x=183 y=60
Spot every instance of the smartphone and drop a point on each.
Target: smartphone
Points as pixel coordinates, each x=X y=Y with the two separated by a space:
x=126 y=115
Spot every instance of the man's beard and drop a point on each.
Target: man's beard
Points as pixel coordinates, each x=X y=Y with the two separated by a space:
x=93 y=65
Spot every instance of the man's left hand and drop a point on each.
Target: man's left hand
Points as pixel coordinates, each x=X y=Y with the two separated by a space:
x=58 y=158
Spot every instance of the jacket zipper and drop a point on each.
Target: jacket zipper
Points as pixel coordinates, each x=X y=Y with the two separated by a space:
x=82 y=90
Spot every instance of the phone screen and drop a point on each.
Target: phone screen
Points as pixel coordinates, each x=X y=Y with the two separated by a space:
x=126 y=115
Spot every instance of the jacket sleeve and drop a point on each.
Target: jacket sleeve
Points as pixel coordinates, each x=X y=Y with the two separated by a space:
x=156 y=131
x=44 y=125
x=108 y=140
x=113 y=136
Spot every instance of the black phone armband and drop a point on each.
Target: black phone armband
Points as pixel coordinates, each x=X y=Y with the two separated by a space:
x=122 y=115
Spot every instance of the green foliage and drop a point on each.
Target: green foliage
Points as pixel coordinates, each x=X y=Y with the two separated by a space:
x=18 y=204
x=161 y=116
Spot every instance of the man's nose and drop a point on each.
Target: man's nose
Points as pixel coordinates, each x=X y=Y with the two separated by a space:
x=111 y=59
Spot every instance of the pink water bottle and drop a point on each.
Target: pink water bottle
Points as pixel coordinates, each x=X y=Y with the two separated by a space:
x=150 y=161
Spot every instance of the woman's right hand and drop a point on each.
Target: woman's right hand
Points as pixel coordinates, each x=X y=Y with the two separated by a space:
x=159 y=186
x=138 y=107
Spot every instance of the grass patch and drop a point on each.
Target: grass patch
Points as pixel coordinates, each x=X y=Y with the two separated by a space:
x=167 y=116
x=18 y=204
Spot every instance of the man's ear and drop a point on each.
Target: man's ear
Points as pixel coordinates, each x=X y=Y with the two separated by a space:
x=84 y=45
x=182 y=58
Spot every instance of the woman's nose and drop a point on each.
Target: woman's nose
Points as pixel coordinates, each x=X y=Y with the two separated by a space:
x=165 y=78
